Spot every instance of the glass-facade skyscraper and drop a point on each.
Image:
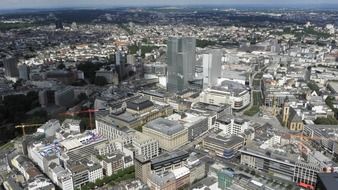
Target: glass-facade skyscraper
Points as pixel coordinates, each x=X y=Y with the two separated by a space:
x=181 y=62
x=212 y=68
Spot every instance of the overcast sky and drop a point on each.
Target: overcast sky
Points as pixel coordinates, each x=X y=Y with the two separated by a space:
x=10 y=4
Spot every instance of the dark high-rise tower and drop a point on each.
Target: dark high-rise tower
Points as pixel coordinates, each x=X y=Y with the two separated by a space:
x=181 y=62
x=11 y=67
x=120 y=60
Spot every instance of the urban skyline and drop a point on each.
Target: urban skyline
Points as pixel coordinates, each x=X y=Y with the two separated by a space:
x=186 y=97
x=23 y=4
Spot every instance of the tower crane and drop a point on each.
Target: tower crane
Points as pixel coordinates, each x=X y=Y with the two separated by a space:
x=23 y=126
x=89 y=111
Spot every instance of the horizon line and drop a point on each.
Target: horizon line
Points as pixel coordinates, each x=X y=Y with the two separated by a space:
x=246 y=5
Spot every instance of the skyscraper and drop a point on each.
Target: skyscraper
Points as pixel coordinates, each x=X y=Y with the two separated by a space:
x=212 y=68
x=23 y=71
x=181 y=62
x=11 y=67
x=120 y=60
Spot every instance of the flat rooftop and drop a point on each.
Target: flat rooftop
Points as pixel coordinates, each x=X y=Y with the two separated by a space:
x=165 y=126
x=170 y=155
x=224 y=141
x=329 y=180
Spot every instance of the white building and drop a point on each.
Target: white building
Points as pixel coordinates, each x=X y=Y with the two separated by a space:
x=72 y=124
x=145 y=146
x=228 y=92
x=49 y=128
x=232 y=126
x=61 y=177
x=212 y=68
x=95 y=172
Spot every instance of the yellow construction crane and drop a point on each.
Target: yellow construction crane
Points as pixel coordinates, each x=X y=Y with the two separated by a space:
x=23 y=126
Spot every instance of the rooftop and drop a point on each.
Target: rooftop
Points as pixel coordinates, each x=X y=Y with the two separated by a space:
x=142 y=138
x=139 y=104
x=224 y=141
x=169 y=155
x=329 y=180
x=230 y=87
x=162 y=179
x=165 y=126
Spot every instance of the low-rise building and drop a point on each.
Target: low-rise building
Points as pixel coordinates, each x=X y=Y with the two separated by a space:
x=112 y=163
x=165 y=181
x=284 y=165
x=232 y=126
x=228 y=92
x=223 y=146
x=80 y=174
x=196 y=124
x=145 y=146
x=164 y=162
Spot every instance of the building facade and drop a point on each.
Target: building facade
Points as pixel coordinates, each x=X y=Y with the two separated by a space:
x=170 y=134
x=212 y=68
x=181 y=62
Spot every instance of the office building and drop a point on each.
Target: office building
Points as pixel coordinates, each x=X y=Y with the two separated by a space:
x=284 y=165
x=212 y=68
x=165 y=162
x=225 y=178
x=196 y=124
x=23 y=71
x=47 y=97
x=232 y=126
x=142 y=168
x=197 y=168
x=64 y=76
x=64 y=96
x=111 y=76
x=80 y=174
x=145 y=146
x=227 y=92
x=72 y=125
x=60 y=176
x=223 y=146
x=11 y=67
x=112 y=163
x=182 y=176
x=60 y=96
x=131 y=59
x=136 y=112
x=213 y=112
x=171 y=135
x=49 y=128
x=106 y=126
x=120 y=62
x=95 y=171
x=181 y=54
x=165 y=181
x=322 y=135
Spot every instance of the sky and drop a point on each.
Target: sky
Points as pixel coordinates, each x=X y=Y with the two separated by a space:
x=18 y=4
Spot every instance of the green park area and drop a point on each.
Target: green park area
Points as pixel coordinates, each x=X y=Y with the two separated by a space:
x=257 y=101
